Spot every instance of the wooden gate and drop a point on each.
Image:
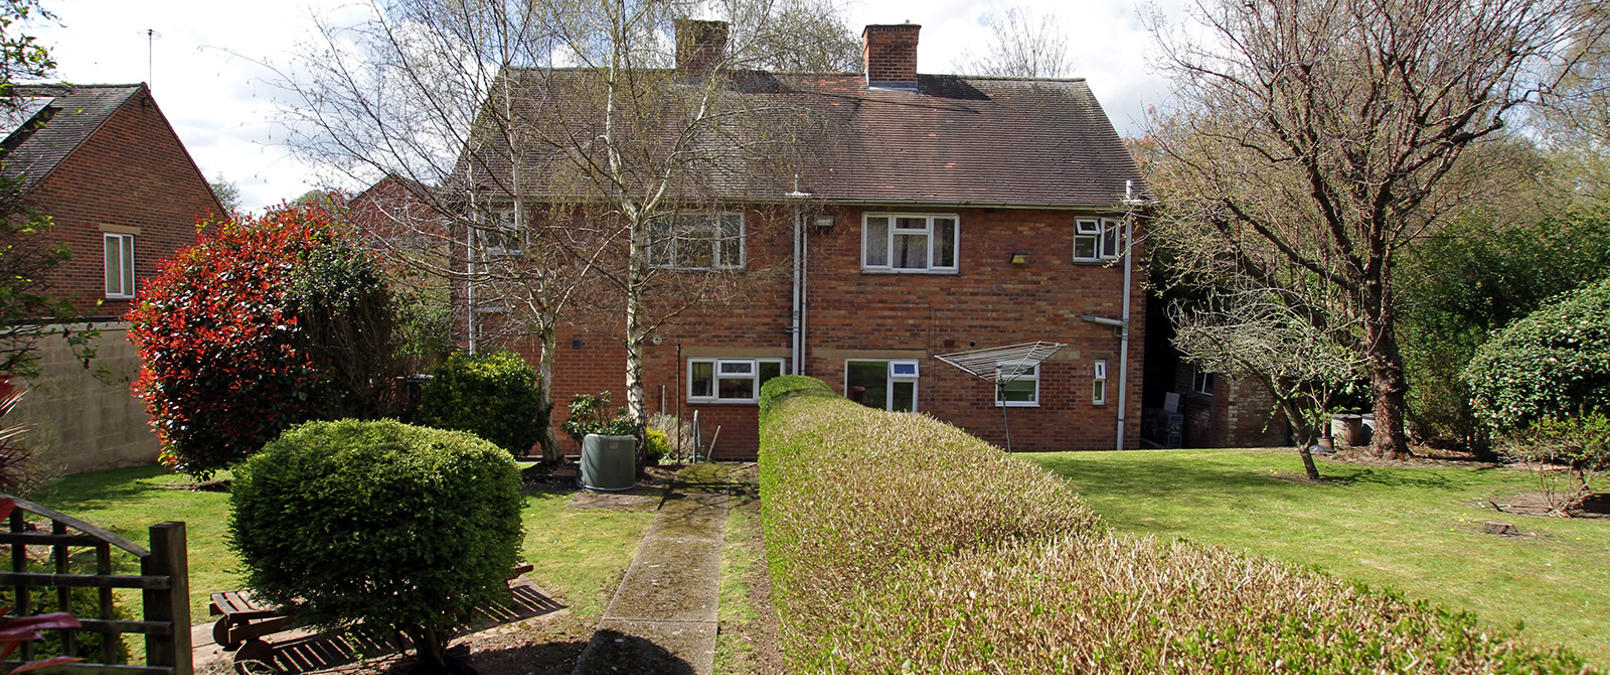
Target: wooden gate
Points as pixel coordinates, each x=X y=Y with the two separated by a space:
x=164 y=581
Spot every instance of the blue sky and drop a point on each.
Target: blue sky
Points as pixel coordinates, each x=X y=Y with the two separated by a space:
x=207 y=65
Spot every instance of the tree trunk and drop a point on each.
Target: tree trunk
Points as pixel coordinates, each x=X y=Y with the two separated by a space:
x=545 y=436
x=429 y=648
x=1303 y=430
x=1389 y=387
x=636 y=407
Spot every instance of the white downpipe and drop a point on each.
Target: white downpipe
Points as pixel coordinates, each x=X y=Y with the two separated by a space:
x=796 y=326
x=469 y=277
x=804 y=294
x=1123 y=348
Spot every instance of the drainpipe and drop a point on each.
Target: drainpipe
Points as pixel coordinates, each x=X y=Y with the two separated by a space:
x=469 y=277
x=795 y=326
x=1123 y=330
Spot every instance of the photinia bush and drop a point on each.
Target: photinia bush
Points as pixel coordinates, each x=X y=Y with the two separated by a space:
x=236 y=336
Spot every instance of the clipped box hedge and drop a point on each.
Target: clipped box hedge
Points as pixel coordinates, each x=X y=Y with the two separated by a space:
x=897 y=543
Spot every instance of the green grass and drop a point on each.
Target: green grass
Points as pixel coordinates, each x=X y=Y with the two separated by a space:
x=1416 y=530
x=579 y=555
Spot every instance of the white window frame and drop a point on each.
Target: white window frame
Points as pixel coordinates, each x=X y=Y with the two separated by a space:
x=110 y=242
x=1098 y=387
x=1033 y=375
x=500 y=228
x=679 y=235
x=716 y=377
x=928 y=230
x=890 y=377
x=1201 y=382
x=1105 y=233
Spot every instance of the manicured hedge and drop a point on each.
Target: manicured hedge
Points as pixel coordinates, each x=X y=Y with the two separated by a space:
x=897 y=543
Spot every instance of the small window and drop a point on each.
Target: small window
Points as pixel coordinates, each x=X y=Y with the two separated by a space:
x=908 y=243
x=886 y=385
x=1017 y=384
x=1097 y=239
x=1098 y=392
x=730 y=380
x=502 y=234
x=1202 y=383
x=701 y=241
x=119 y=265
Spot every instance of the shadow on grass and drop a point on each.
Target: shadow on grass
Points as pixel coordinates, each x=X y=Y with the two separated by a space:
x=104 y=489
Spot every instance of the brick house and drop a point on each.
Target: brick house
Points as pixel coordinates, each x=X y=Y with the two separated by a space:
x=124 y=194
x=949 y=214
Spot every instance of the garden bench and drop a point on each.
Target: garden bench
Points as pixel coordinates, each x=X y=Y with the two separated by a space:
x=244 y=620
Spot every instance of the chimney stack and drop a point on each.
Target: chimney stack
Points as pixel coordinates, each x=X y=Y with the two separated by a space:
x=700 y=47
x=890 y=53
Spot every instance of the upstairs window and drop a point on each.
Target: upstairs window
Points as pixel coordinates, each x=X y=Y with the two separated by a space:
x=700 y=241
x=893 y=242
x=729 y=380
x=1202 y=383
x=1018 y=384
x=501 y=233
x=119 y=265
x=1097 y=239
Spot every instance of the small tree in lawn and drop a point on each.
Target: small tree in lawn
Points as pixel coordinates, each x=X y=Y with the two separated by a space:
x=260 y=325
x=1253 y=334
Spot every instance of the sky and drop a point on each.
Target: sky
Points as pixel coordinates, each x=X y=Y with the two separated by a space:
x=211 y=65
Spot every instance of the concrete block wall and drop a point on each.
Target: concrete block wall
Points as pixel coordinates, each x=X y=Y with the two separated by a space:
x=86 y=419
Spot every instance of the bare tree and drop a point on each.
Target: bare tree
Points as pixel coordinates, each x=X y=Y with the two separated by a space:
x=1323 y=137
x=554 y=145
x=1252 y=333
x=1022 y=43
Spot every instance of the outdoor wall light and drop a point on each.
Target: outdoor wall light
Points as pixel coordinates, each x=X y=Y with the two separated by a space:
x=1020 y=258
x=823 y=223
x=575 y=343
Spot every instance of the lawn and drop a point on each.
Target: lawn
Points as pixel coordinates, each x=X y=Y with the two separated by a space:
x=1416 y=530
x=579 y=554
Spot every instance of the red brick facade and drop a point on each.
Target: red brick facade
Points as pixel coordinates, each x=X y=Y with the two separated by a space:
x=1239 y=413
x=131 y=176
x=855 y=314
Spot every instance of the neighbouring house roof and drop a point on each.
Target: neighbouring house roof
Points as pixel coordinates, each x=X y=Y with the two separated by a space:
x=64 y=116
x=954 y=140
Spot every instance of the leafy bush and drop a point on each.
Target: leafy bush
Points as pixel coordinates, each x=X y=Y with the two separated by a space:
x=656 y=445
x=680 y=439
x=378 y=522
x=494 y=396
x=1476 y=277
x=592 y=414
x=259 y=326
x=1554 y=362
x=897 y=543
x=1580 y=444
x=85 y=604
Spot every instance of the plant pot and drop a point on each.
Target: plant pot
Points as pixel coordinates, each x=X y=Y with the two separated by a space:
x=608 y=463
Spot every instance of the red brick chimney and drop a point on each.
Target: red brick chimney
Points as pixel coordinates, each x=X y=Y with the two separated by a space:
x=700 y=47
x=891 y=55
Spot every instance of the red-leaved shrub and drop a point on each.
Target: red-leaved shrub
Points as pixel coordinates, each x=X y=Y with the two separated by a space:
x=260 y=325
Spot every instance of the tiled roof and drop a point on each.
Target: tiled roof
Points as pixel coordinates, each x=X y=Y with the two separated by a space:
x=955 y=140
x=32 y=151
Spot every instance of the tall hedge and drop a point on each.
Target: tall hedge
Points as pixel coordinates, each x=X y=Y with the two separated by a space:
x=378 y=522
x=260 y=325
x=495 y=396
x=1555 y=362
x=897 y=543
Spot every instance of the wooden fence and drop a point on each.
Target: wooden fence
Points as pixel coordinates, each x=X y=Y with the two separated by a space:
x=164 y=581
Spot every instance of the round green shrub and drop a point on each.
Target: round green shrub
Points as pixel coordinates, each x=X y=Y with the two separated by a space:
x=494 y=396
x=656 y=444
x=379 y=522
x=1555 y=362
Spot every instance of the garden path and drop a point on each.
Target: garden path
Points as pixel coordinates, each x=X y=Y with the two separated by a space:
x=663 y=616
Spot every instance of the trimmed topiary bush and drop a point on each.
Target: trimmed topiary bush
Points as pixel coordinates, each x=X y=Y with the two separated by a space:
x=897 y=543
x=259 y=326
x=381 y=523
x=1555 y=362
x=494 y=396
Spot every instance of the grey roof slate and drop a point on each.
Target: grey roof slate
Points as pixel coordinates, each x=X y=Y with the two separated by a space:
x=31 y=151
x=955 y=140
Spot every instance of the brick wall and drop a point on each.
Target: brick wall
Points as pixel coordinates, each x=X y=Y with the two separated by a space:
x=854 y=314
x=132 y=176
x=1239 y=414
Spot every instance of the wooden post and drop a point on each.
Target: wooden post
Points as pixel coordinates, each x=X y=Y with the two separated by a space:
x=168 y=558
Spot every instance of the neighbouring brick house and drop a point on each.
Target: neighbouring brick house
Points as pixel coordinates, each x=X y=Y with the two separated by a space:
x=124 y=194
x=1210 y=410
x=947 y=213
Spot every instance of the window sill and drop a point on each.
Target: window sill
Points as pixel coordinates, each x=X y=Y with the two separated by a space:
x=881 y=270
x=119 y=297
x=1096 y=261
x=711 y=401
x=999 y=404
